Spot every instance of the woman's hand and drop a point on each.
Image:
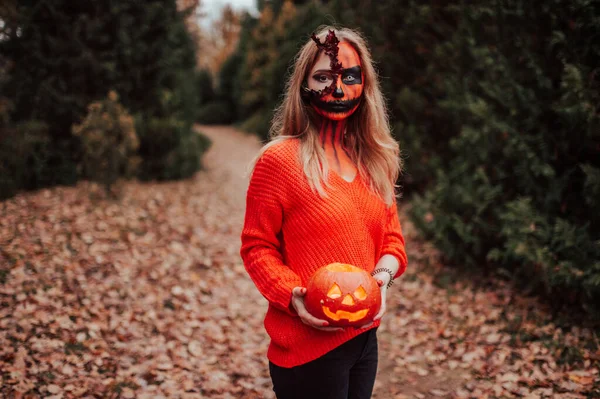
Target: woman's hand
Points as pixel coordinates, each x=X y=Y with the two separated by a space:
x=382 y=279
x=308 y=319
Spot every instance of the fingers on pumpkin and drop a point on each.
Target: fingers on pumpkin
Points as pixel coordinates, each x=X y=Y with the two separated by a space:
x=299 y=291
x=381 y=312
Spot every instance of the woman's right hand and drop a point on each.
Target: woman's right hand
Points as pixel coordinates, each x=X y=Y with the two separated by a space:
x=308 y=319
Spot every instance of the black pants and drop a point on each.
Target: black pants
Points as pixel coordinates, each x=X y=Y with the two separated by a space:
x=346 y=372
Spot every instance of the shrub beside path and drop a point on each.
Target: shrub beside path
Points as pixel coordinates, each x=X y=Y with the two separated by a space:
x=147 y=297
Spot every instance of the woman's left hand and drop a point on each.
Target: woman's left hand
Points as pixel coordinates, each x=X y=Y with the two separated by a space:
x=382 y=279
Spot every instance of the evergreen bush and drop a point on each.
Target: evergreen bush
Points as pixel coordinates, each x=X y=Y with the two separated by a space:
x=109 y=142
x=216 y=113
x=516 y=188
x=167 y=151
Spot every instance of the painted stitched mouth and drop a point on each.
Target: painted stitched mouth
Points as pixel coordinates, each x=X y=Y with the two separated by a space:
x=337 y=106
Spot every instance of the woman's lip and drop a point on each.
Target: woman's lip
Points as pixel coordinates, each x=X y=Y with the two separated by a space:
x=336 y=106
x=339 y=106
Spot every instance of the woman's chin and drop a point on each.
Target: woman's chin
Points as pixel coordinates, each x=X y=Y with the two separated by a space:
x=335 y=116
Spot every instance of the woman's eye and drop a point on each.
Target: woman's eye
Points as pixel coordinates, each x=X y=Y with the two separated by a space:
x=349 y=78
x=322 y=78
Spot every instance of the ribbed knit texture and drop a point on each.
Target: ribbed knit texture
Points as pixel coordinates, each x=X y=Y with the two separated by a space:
x=289 y=232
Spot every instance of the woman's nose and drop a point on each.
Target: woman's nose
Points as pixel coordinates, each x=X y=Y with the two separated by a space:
x=338 y=93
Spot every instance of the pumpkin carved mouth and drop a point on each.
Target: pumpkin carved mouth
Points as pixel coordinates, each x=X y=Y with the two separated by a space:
x=342 y=314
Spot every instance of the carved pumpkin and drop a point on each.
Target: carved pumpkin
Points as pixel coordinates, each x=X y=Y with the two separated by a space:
x=343 y=294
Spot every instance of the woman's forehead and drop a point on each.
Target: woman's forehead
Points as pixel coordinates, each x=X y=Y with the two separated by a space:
x=347 y=56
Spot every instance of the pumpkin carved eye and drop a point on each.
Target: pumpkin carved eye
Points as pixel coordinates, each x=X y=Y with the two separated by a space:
x=360 y=293
x=334 y=292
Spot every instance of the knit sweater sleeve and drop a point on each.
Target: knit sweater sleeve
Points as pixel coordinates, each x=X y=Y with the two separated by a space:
x=261 y=239
x=393 y=242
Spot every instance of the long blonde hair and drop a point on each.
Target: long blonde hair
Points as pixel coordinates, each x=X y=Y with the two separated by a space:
x=368 y=137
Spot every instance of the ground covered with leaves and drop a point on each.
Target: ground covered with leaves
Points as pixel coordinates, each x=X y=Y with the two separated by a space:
x=147 y=297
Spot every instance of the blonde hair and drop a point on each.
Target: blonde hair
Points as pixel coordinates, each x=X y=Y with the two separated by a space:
x=368 y=137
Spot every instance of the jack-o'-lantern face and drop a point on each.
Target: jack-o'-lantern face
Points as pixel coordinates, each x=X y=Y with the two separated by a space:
x=335 y=83
x=349 y=300
x=343 y=294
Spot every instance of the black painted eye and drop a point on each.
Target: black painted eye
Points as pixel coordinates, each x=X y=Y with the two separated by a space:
x=352 y=76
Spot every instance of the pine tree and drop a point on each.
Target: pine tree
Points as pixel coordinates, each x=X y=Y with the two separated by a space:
x=258 y=57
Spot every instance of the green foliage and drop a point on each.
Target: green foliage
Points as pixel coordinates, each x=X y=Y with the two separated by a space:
x=229 y=86
x=217 y=107
x=25 y=155
x=109 y=142
x=167 y=150
x=555 y=253
x=518 y=185
x=258 y=123
x=204 y=87
x=66 y=55
x=258 y=57
x=591 y=189
x=216 y=113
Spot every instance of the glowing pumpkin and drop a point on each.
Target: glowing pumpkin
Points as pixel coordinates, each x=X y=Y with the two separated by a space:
x=343 y=294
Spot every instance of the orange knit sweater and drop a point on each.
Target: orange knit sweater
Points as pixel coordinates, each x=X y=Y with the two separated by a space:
x=289 y=232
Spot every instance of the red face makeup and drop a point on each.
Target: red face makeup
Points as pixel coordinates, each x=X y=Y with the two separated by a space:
x=336 y=82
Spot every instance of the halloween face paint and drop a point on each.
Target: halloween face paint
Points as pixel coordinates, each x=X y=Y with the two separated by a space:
x=336 y=82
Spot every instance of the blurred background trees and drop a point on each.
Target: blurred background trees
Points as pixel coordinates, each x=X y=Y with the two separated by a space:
x=58 y=57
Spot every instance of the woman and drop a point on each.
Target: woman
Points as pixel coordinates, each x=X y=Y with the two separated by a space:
x=323 y=191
